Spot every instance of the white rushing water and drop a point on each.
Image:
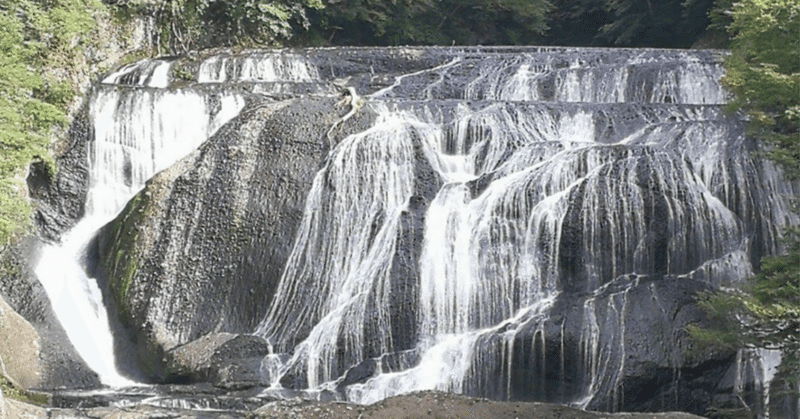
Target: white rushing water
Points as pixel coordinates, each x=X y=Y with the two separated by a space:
x=523 y=178
x=755 y=370
x=78 y=303
x=257 y=67
x=344 y=250
x=136 y=134
x=535 y=157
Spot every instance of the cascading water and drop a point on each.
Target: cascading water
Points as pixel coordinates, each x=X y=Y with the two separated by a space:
x=548 y=187
x=138 y=131
x=513 y=225
x=343 y=252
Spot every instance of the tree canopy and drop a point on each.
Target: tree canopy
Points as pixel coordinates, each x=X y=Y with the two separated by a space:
x=631 y=23
x=193 y=24
x=655 y=23
x=427 y=22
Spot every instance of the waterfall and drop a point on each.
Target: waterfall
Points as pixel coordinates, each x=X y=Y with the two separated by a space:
x=343 y=252
x=137 y=132
x=755 y=370
x=511 y=225
x=579 y=178
x=257 y=67
x=489 y=263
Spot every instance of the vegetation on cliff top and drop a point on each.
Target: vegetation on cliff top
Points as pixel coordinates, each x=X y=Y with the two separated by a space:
x=39 y=41
x=185 y=25
x=191 y=24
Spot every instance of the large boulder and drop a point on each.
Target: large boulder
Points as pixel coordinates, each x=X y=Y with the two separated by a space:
x=19 y=356
x=225 y=360
x=202 y=247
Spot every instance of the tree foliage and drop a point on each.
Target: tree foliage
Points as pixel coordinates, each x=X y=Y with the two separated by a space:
x=763 y=314
x=34 y=35
x=631 y=23
x=429 y=22
x=193 y=24
x=577 y=22
x=655 y=23
x=763 y=72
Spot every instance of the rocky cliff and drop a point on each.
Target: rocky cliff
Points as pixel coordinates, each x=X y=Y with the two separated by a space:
x=524 y=224
x=245 y=190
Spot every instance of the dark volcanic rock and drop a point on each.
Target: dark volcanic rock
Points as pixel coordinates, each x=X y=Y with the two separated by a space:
x=191 y=362
x=622 y=348
x=656 y=373
x=203 y=246
x=236 y=365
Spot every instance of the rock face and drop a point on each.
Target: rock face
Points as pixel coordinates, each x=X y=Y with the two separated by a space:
x=36 y=352
x=523 y=224
x=217 y=226
x=60 y=201
x=227 y=361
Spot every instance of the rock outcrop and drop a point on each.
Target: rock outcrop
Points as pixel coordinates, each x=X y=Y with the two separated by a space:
x=524 y=224
x=202 y=247
x=227 y=361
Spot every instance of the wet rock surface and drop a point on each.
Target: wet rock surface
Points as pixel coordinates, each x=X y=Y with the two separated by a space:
x=202 y=247
x=417 y=405
x=604 y=190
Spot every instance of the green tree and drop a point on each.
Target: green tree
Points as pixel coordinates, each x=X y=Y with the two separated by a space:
x=636 y=23
x=577 y=23
x=194 y=24
x=498 y=21
x=763 y=72
x=428 y=22
x=655 y=23
x=369 y=22
x=38 y=39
